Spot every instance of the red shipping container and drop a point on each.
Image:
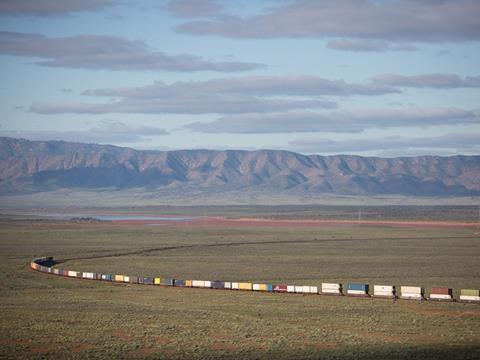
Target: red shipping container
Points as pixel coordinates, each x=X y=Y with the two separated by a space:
x=441 y=291
x=280 y=288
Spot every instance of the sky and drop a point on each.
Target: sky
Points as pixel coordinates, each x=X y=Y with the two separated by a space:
x=368 y=77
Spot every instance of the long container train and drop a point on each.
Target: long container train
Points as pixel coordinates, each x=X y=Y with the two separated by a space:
x=45 y=265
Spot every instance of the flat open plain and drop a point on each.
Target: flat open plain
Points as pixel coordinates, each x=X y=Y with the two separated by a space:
x=44 y=316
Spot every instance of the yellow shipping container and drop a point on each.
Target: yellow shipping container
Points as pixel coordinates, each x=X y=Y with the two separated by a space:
x=157 y=281
x=245 y=286
x=188 y=283
x=119 y=278
x=262 y=287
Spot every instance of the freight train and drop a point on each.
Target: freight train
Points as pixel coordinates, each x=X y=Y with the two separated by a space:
x=45 y=265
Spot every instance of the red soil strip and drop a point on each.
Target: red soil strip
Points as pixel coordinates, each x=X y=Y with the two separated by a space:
x=257 y=222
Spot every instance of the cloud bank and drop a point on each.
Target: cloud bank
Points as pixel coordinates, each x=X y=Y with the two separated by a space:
x=397 y=21
x=336 y=121
x=95 y=52
x=49 y=8
x=394 y=144
x=105 y=132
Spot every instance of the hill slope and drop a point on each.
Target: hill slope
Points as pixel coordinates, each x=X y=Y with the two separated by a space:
x=34 y=166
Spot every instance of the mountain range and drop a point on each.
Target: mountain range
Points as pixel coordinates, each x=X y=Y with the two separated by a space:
x=28 y=167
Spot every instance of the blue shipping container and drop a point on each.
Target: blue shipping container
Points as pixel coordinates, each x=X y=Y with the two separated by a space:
x=178 y=282
x=148 y=280
x=270 y=287
x=361 y=287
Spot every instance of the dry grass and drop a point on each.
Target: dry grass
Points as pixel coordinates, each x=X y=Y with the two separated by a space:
x=54 y=317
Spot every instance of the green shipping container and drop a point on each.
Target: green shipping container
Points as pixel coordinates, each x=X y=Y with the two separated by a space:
x=470 y=292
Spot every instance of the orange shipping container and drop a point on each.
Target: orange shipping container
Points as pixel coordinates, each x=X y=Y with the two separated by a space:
x=119 y=278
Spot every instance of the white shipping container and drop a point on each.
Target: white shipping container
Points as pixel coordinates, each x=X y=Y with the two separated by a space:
x=411 y=289
x=441 y=296
x=228 y=285
x=306 y=289
x=235 y=285
x=208 y=284
x=313 y=289
x=356 y=292
x=331 y=291
x=299 y=289
x=469 y=298
x=126 y=279
x=72 y=273
x=198 y=283
x=386 y=288
x=331 y=286
x=290 y=288
x=256 y=287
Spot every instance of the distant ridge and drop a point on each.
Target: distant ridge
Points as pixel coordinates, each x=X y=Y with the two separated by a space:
x=36 y=166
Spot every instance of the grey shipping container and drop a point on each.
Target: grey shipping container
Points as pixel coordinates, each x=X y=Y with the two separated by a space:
x=218 y=284
x=166 y=281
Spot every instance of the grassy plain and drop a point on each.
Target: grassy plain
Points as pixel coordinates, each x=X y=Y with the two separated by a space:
x=44 y=316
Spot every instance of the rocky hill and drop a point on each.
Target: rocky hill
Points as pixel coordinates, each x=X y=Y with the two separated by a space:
x=34 y=166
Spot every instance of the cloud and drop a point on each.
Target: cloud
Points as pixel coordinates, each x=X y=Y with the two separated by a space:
x=105 y=132
x=233 y=95
x=399 y=21
x=361 y=45
x=337 y=121
x=393 y=145
x=194 y=8
x=188 y=104
x=252 y=85
x=48 y=8
x=442 y=81
x=95 y=52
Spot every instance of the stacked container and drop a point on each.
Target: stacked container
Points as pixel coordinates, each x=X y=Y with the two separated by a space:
x=441 y=294
x=280 y=288
x=298 y=289
x=412 y=292
x=262 y=287
x=178 y=282
x=470 y=295
x=331 y=289
x=355 y=289
x=235 y=286
x=291 y=288
x=167 y=282
x=384 y=291
x=245 y=286
x=72 y=273
x=88 y=275
x=157 y=281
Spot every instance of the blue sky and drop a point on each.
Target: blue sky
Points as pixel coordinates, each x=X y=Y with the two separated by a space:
x=374 y=78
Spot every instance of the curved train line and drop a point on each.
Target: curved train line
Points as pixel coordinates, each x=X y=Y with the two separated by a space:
x=45 y=265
